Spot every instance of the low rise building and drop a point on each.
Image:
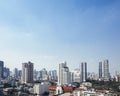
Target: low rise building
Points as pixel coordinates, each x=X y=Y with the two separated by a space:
x=40 y=89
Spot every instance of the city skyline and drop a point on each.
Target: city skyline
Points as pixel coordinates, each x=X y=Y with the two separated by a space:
x=49 y=32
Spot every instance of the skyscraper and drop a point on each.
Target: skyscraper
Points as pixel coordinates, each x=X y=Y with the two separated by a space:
x=83 y=71
x=1 y=69
x=27 y=72
x=106 y=70
x=64 y=74
x=100 y=70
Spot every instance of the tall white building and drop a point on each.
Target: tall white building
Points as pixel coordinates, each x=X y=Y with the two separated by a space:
x=83 y=71
x=106 y=70
x=64 y=74
x=27 y=72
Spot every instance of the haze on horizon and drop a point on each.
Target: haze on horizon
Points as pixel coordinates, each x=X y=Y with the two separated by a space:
x=47 y=32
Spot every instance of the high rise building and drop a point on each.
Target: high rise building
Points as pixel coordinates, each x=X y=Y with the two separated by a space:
x=1 y=69
x=106 y=69
x=27 y=72
x=100 y=70
x=83 y=71
x=64 y=74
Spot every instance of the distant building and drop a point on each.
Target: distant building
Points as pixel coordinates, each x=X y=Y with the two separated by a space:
x=44 y=74
x=64 y=74
x=76 y=75
x=6 y=72
x=106 y=70
x=35 y=73
x=83 y=71
x=39 y=75
x=1 y=69
x=100 y=70
x=52 y=75
x=15 y=73
x=27 y=72
x=92 y=76
x=20 y=73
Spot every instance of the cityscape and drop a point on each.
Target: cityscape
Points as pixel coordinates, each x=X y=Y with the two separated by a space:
x=64 y=82
x=59 y=47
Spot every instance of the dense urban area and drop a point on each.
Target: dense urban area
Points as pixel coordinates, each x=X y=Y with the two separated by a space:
x=79 y=82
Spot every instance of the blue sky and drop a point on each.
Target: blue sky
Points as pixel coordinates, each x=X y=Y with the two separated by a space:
x=48 y=32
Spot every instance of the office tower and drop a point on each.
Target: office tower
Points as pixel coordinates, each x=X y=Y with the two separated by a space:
x=27 y=72
x=100 y=70
x=1 y=69
x=83 y=71
x=64 y=74
x=106 y=69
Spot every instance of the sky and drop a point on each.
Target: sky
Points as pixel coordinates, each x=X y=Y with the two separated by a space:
x=48 y=32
